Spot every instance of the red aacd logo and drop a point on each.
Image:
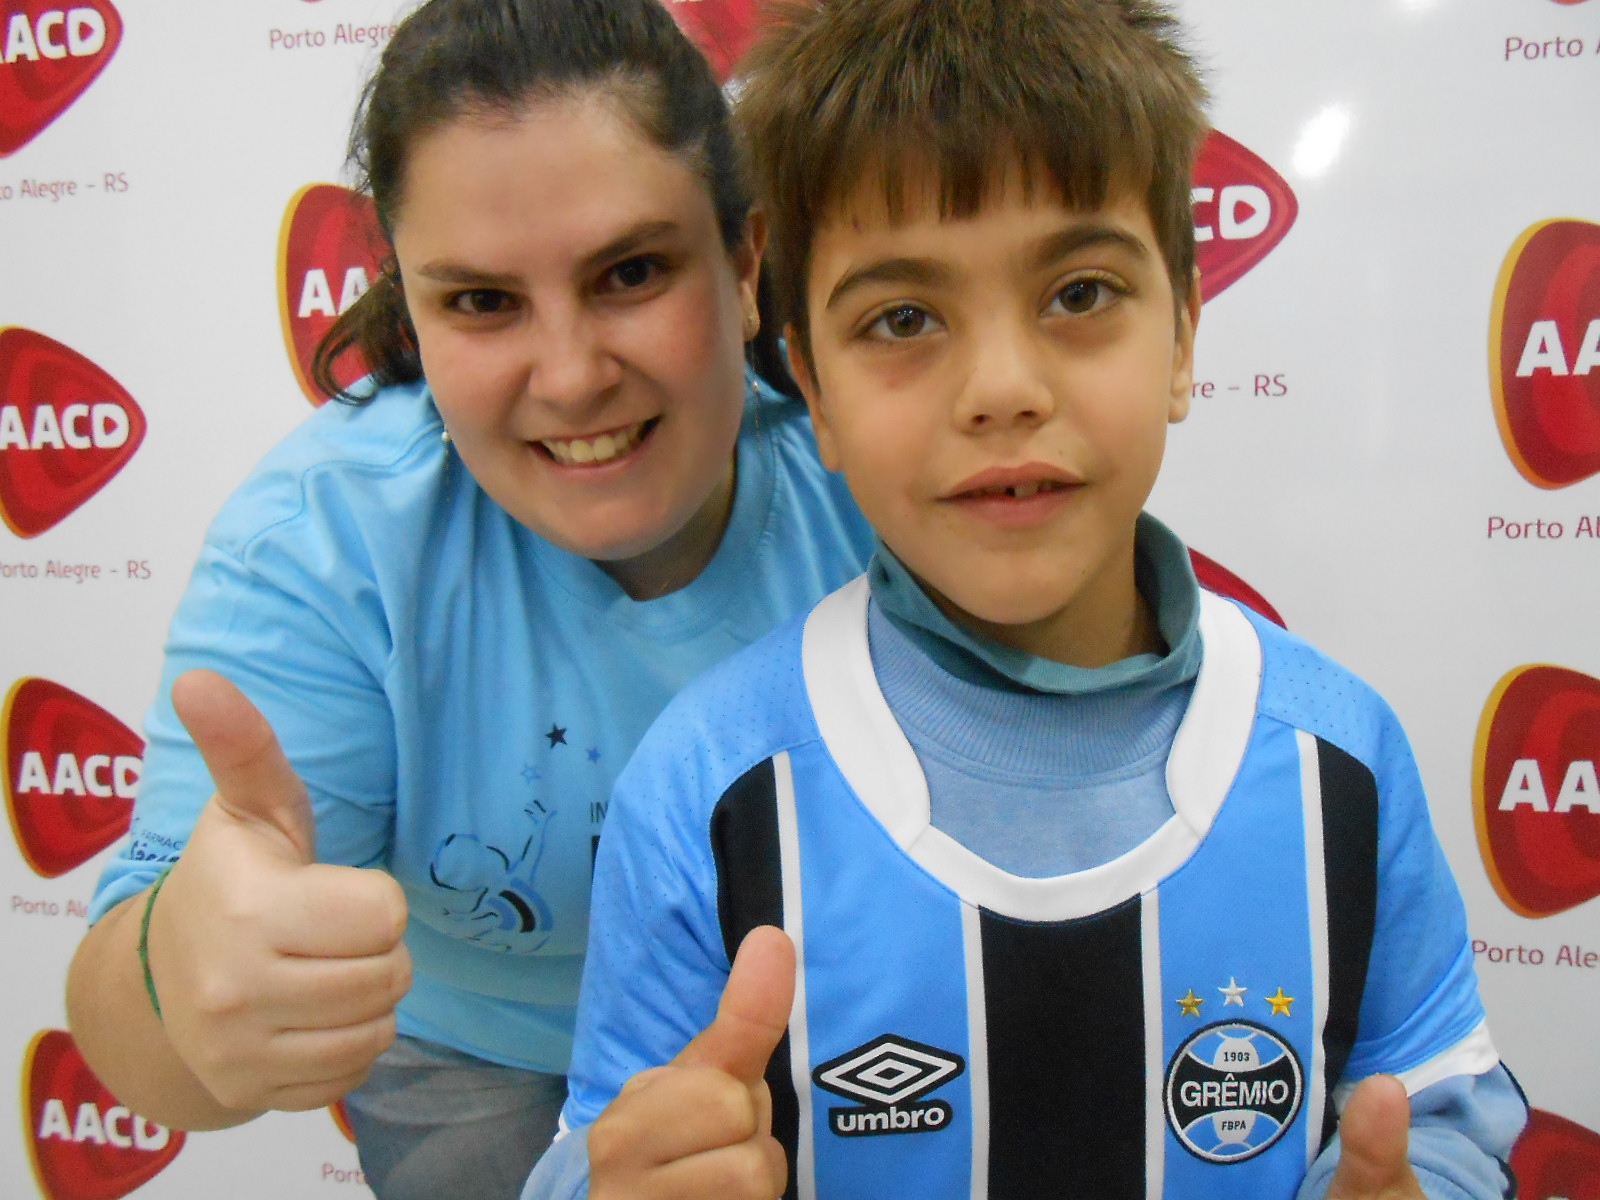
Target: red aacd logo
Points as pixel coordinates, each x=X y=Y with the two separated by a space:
x=1556 y=1159
x=1215 y=577
x=1242 y=209
x=1544 y=351
x=85 y=1145
x=723 y=29
x=328 y=253
x=66 y=428
x=50 y=55
x=1535 y=794
x=72 y=771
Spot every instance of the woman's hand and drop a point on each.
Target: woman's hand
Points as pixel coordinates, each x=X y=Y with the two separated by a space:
x=702 y=1125
x=278 y=976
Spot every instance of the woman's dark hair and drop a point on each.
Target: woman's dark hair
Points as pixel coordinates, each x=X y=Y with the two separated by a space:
x=452 y=58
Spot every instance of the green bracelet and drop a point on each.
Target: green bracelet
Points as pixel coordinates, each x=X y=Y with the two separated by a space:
x=144 y=938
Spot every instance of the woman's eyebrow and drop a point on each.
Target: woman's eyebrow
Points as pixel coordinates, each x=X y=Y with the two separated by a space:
x=627 y=242
x=460 y=275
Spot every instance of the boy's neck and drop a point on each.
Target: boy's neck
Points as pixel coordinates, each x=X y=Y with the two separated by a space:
x=1110 y=622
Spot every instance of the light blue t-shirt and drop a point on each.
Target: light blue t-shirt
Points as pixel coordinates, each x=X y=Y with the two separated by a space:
x=459 y=694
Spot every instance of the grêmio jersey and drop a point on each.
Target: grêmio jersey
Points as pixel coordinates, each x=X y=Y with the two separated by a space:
x=1178 y=1022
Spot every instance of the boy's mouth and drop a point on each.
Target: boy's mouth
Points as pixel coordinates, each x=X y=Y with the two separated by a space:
x=1020 y=491
x=1014 y=483
x=601 y=448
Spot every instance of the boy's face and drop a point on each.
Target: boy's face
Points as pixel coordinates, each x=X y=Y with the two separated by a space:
x=997 y=392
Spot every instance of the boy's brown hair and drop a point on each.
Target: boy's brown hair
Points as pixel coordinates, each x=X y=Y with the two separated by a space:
x=1097 y=95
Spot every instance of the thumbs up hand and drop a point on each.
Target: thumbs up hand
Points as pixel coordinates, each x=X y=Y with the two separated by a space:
x=278 y=976
x=1375 y=1129
x=702 y=1125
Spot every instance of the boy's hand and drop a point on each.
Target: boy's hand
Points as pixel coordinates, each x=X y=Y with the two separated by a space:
x=278 y=976
x=702 y=1125
x=1375 y=1129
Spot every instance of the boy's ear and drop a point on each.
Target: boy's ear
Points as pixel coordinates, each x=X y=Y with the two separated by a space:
x=1183 y=353
x=800 y=371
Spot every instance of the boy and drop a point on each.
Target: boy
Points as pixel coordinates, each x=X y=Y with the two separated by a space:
x=1096 y=886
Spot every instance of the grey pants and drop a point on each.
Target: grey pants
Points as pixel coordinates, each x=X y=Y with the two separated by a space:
x=432 y=1122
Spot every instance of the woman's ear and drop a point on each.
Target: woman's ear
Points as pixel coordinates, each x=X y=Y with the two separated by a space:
x=806 y=380
x=747 y=258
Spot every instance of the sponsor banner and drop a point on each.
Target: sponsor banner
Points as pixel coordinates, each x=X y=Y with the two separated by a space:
x=1242 y=210
x=1215 y=577
x=66 y=429
x=72 y=772
x=50 y=55
x=1544 y=352
x=1556 y=1159
x=723 y=29
x=329 y=252
x=1535 y=794
x=83 y=1143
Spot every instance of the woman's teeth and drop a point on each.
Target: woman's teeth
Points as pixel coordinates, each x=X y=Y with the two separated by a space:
x=583 y=452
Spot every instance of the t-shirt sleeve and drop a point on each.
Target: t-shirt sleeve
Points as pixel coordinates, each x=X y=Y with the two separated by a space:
x=316 y=688
x=656 y=962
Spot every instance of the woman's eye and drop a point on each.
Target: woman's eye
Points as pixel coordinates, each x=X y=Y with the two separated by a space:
x=480 y=302
x=898 y=324
x=1083 y=296
x=633 y=273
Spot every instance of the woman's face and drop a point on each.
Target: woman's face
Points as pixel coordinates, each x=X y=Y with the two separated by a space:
x=582 y=329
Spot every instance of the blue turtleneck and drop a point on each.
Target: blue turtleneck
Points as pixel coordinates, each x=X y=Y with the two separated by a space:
x=1039 y=767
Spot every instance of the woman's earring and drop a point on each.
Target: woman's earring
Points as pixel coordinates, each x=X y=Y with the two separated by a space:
x=752 y=324
x=445 y=437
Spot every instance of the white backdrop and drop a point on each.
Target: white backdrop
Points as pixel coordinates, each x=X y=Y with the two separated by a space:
x=1360 y=458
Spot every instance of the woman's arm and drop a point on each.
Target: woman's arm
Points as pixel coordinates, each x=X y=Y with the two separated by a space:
x=277 y=976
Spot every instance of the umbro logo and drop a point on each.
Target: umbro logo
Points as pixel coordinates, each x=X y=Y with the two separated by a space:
x=888 y=1076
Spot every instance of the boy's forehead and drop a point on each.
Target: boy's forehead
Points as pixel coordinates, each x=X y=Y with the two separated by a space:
x=911 y=189
x=888 y=208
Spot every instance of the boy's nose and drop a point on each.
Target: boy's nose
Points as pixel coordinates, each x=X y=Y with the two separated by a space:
x=1004 y=387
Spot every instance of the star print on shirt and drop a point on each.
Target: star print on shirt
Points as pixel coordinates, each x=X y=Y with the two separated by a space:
x=528 y=773
x=1233 y=992
x=594 y=753
x=557 y=736
x=1280 y=1004
x=1190 y=1004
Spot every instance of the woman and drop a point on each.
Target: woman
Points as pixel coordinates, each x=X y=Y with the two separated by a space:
x=458 y=602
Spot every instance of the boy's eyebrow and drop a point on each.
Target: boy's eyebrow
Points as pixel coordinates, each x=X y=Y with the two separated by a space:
x=930 y=273
x=443 y=271
x=1057 y=246
x=919 y=271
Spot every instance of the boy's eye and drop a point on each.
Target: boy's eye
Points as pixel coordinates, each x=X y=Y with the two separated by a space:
x=480 y=302
x=1087 y=294
x=902 y=322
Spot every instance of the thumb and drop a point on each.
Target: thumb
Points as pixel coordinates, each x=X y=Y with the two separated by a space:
x=754 y=1011
x=1375 y=1130
x=255 y=783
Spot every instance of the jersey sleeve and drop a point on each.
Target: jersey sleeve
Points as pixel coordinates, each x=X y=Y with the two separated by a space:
x=1421 y=1016
x=312 y=682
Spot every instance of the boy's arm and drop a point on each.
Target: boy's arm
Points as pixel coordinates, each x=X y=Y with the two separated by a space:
x=1449 y=1143
x=1421 y=1020
x=666 y=1093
